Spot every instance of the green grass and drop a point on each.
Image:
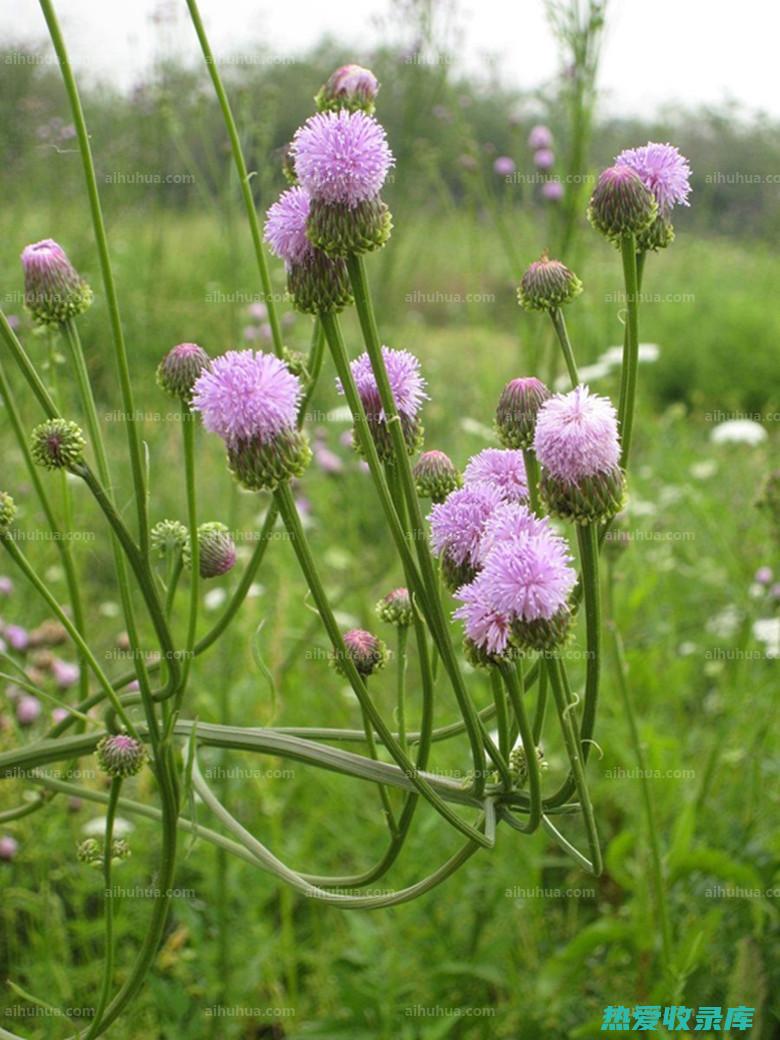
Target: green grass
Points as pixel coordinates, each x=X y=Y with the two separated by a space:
x=520 y=936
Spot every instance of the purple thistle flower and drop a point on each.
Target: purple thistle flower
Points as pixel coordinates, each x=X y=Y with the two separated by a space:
x=53 y=289
x=350 y=86
x=552 y=191
x=504 y=166
x=529 y=577
x=662 y=170
x=485 y=626
x=28 y=710
x=458 y=522
x=763 y=575
x=247 y=394
x=18 y=638
x=366 y=651
x=6 y=586
x=576 y=435
x=327 y=460
x=342 y=157
x=406 y=383
x=503 y=469
x=507 y=523
x=258 y=311
x=66 y=674
x=8 y=848
x=180 y=368
x=540 y=137
x=544 y=159
x=285 y=227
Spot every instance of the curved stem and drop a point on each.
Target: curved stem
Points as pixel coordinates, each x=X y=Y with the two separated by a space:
x=532 y=476
x=292 y=521
x=434 y=612
x=529 y=747
x=243 y=175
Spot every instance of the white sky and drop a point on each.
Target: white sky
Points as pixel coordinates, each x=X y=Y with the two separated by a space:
x=690 y=51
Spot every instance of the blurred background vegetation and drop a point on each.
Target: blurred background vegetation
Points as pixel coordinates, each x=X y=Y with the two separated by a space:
x=519 y=935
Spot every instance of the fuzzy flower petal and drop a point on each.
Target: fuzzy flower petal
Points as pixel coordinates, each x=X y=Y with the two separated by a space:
x=406 y=382
x=503 y=469
x=488 y=628
x=576 y=435
x=530 y=577
x=457 y=523
x=247 y=395
x=508 y=523
x=341 y=157
x=663 y=170
x=285 y=227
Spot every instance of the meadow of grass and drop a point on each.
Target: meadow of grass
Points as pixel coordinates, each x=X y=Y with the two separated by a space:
x=520 y=940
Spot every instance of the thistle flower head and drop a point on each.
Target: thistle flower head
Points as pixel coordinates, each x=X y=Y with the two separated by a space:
x=540 y=137
x=54 y=291
x=504 y=166
x=120 y=755
x=7 y=511
x=216 y=549
x=662 y=170
x=501 y=468
x=168 y=536
x=544 y=158
x=396 y=608
x=518 y=407
x=457 y=524
x=366 y=651
x=530 y=577
x=350 y=87
x=9 y=847
x=178 y=371
x=507 y=523
x=342 y=157
x=28 y=710
x=577 y=435
x=435 y=476
x=621 y=204
x=546 y=285
x=486 y=627
x=285 y=227
x=247 y=395
x=406 y=383
x=57 y=444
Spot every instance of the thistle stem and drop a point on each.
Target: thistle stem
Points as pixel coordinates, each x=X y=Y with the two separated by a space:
x=529 y=746
x=628 y=382
x=108 y=913
x=559 y=324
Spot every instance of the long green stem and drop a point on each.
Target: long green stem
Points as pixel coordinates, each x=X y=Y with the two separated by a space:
x=292 y=521
x=42 y=589
x=529 y=747
x=108 y=952
x=400 y=666
x=101 y=240
x=244 y=176
x=559 y=324
x=574 y=752
x=659 y=882
x=436 y=619
x=188 y=436
x=627 y=400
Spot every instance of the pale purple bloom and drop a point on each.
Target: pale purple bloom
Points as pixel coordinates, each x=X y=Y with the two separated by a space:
x=6 y=586
x=530 y=577
x=59 y=715
x=247 y=394
x=544 y=159
x=504 y=166
x=501 y=468
x=266 y=332
x=28 y=710
x=18 y=638
x=285 y=227
x=774 y=591
x=763 y=575
x=258 y=311
x=485 y=626
x=540 y=137
x=662 y=170
x=341 y=157
x=65 y=673
x=327 y=460
x=552 y=191
x=251 y=332
x=8 y=848
x=507 y=523
x=13 y=321
x=457 y=523
x=406 y=382
x=576 y=435
x=351 y=82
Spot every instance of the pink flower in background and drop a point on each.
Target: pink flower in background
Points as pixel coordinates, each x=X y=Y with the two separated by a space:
x=540 y=137
x=552 y=191
x=28 y=710
x=544 y=159
x=504 y=166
